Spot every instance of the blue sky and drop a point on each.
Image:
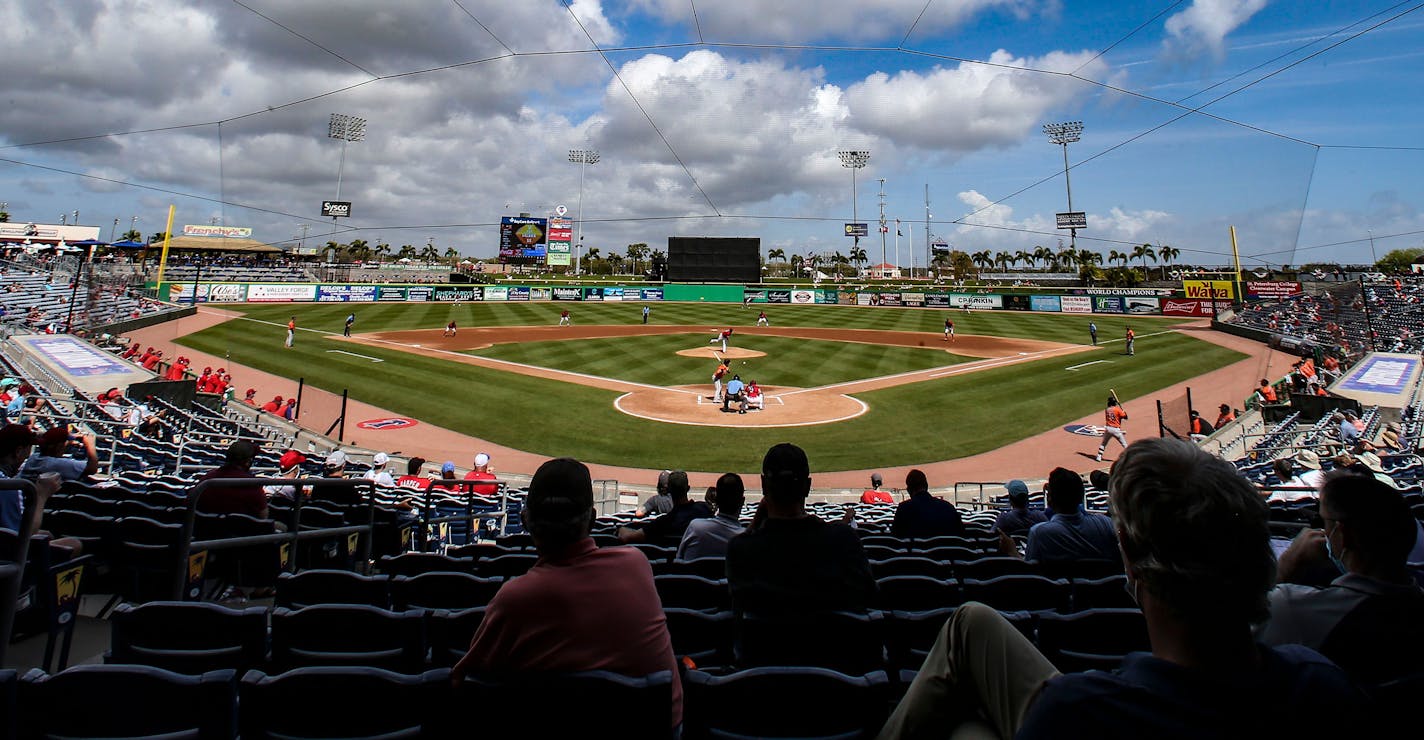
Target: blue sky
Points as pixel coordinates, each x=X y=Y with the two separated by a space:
x=736 y=133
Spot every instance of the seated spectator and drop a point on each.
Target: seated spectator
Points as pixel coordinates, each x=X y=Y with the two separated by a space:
x=1071 y=533
x=1195 y=545
x=1372 y=462
x=248 y=499
x=708 y=537
x=1312 y=475
x=378 y=473
x=16 y=443
x=669 y=528
x=482 y=472
x=795 y=562
x=413 y=478
x=1367 y=620
x=1349 y=434
x=341 y=495
x=251 y=397
x=1225 y=416
x=447 y=476
x=1019 y=518
x=52 y=457
x=581 y=607
x=922 y=515
x=1284 y=468
x=874 y=495
x=273 y=406
x=658 y=503
x=289 y=466
x=1266 y=394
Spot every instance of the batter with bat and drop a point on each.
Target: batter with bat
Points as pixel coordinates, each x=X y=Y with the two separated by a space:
x=1113 y=418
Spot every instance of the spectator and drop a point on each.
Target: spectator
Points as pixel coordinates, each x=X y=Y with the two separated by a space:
x=1366 y=620
x=339 y=494
x=658 y=503
x=378 y=473
x=482 y=472
x=273 y=406
x=795 y=562
x=413 y=478
x=1376 y=467
x=52 y=458
x=922 y=515
x=874 y=495
x=447 y=475
x=289 y=466
x=248 y=499
x=1266 y=394
x=1284 y=468
x=708 y=537
x=581 y=607
x=1019 y=518
x=1195 y=544
x=669 y=528
x=1071 y=533
x=250 y=398
x=1312 y=475
x=1226 y=416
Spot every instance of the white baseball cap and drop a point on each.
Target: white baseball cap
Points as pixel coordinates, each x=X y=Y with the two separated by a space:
x=381 y=458
x=481 y=460
x=337 y=459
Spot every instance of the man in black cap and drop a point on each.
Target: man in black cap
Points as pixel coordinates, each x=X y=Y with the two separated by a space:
x=250 y=500
x=581 y=607
x=794 y=561
x=658 y=503
x=669 y=528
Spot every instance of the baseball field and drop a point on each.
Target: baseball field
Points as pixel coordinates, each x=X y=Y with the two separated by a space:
x=857 y=387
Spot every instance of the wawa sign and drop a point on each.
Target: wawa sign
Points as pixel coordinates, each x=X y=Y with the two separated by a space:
x=1208 y=289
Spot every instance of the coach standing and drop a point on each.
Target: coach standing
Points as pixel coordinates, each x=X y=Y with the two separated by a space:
x=1093 y=332
x=646 y=311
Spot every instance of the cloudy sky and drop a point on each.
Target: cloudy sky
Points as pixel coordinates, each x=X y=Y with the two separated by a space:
x=1294 y=121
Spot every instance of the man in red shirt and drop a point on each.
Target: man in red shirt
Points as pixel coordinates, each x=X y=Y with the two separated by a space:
x=273 y=406
x=874 y=495
x=581 y=607
x=482 y=472
x=413 y=478
x=250 y=500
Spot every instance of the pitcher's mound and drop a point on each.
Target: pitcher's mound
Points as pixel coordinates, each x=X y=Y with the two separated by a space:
x=711 y=352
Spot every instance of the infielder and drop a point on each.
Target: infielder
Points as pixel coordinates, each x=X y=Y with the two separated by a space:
x=564 y=319
x=722 y=336
x=717 y=380
x=948 y=330
x=762 y=320
x=350 y=319
x=1113 y=418
x=450 y=328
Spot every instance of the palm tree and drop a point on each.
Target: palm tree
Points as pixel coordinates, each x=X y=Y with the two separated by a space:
x=1045 y=255
x=776 y=254
x=982 y=259
x=1114 y=256
x=636 y=252
x=857 y=255
x=1024 y=257
x=382 y=249
x=332 y=250
x=1144 y=252
x=430 y=255
x=1088 y=261
x=453 y=255
x=796 y=263
x=1067 y=257
x=1002 y=260
x=132 y=235
x=407 y=252
x=1167 y=254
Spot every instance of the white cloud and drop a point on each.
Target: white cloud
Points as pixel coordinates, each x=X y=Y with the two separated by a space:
x=1204 y=26
x=1006 y=232
x=852 y=20
x=970 y=106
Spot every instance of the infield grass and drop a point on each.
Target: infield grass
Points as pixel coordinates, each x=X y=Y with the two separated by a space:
x=935 y=420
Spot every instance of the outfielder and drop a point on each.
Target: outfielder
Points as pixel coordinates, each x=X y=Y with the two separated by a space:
x=722 y=336
x=948 y=330
x=1113 y=418
x=291 y=332
x=1131 y=341
x=762 y=320
x=564 y=319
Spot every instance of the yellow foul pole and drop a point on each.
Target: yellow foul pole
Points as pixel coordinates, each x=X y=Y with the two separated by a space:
x=167 y=237
x=1236 y=255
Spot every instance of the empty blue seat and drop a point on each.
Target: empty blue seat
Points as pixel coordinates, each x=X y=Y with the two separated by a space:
x=784 y=702
x=113 y=701
x=188 y=637
x=348 y=702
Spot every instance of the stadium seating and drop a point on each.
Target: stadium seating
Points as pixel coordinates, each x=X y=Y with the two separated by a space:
x=325 y=702
x=785 y=702
x=109 y=701
x=348 y=635
x=188 y=637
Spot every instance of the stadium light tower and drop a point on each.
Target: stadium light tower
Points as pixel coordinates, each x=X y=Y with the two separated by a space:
x=1065 y=134
x=853 y=159
x=348 y=129
x=583 y=158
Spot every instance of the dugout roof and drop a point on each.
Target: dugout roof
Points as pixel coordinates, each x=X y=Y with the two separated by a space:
x=1385 y=379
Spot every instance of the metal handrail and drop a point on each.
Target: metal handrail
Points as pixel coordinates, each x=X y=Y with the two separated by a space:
x=469 y=516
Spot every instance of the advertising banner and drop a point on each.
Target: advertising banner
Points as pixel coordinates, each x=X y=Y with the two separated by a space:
x=938 y=300
x=801 y=296
x=651 y=294
x=415 y=294
x=778 y=296
x=227 y=293
x=1044 y=303
x=827 y=296
x=183 y=292
x=593 y=294
x=208 y=292
x=338 y=293
x=1206 y=289
x=976 y=300
x=518 y=293
x=912 y=299
x=384 y=293
x=1076 y=304
x=753 y=296
x=539 y=294
x=568 y=294
x=1142 y=306
x=561 y=237
x=240 y=232
x=1124 y=291
x=1107 y=304
x=281 y=293
x=1180 y=307
x=847 y=298
x=613 y=293
x=1271 y=289
x=459 y=293
x=496 y=293
x=1016 y=302
x=888 y=299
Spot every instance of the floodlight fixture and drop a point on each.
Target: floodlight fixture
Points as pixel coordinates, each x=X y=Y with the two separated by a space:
x=1064 y=133
x=346 y=128
x=583 y=158
x=854 y=159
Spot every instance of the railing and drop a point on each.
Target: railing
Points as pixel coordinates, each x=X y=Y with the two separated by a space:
x=12 y=565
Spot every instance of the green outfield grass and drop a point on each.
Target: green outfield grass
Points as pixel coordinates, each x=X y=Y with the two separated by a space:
x=936 y=420
x=789 y=362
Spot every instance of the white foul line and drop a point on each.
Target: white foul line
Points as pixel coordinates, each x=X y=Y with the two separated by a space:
x=353 y=354
x=1074 y=368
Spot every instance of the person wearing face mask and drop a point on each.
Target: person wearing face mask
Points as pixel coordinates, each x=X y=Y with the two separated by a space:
x=1366 y=620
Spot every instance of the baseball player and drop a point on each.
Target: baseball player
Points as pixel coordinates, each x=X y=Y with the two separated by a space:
x=1131 y=340
x=1093 y=332
x=948 y=330
x=722 y=336
x=350 y=319
x=1113 y=418
x=564 y=319
x=717 y=380
x=646 y=311
x=450 y=328
x=291 y=332
x=762 y=320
